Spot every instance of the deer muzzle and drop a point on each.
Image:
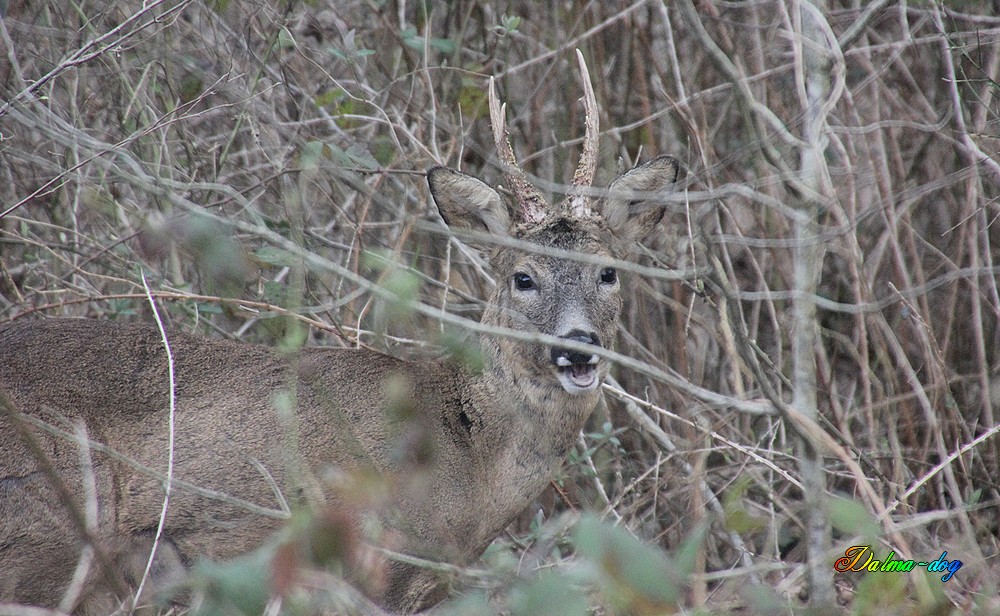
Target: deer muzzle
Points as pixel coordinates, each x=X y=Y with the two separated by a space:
x=577 y=370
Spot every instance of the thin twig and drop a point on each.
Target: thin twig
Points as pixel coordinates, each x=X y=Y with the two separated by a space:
x=171 y=413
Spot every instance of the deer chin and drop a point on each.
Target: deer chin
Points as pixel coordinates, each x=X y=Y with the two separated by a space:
x=578 y=378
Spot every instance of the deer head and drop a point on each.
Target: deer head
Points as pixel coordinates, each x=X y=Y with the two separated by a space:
x=555 y=295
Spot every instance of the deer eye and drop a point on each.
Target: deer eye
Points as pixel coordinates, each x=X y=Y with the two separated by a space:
x=523 y=282
x=609 y=275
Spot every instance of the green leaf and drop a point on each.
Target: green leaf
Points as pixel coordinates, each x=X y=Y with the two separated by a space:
x=635 y=577
x=354 y=156
x=508 y=24
x=285 y=39
x=414 y=40
x=276 y=256
x=471 y=604
x=851 y=518
x=881 y=593
x=349 y=56
x=738 y=519
x=551 y=594
x=403 y=284
x=240 y=586
x=383 y=149
x=463 y=349
x=764 y=600
x=209 y=308
x=472 y=99
x=686 y=556
x=312 y=154
x=361 y=157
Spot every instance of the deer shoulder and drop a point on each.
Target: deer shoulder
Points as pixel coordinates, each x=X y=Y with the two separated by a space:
x=256 y=431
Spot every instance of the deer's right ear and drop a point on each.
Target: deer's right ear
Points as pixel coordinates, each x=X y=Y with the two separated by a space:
x=467 y=203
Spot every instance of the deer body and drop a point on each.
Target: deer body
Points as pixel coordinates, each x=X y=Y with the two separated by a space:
x=226 y=425
x=494 y=438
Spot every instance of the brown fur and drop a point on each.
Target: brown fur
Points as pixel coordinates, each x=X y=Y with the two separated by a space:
x=494 y=439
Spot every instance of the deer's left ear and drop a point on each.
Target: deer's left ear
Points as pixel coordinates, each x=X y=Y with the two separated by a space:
x=631 y=208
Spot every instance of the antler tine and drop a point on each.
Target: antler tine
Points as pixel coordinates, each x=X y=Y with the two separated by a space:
x=527 y=196
x=584 y=175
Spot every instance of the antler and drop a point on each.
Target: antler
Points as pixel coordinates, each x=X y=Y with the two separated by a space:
x=578 y=203
x=527 y=196
x=531 y=201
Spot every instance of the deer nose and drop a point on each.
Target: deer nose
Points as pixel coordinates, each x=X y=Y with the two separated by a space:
x=566 y=357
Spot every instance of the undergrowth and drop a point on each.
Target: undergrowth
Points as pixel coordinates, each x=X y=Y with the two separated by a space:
x=263 y=161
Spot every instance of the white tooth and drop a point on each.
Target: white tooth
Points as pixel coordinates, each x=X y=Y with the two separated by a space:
x=563 y=361
x=593 y=359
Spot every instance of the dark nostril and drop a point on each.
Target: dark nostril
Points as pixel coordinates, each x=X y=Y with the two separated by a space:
x=578 y=335
x=563 y=357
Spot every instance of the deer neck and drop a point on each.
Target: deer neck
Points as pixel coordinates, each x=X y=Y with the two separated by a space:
x=529 y=421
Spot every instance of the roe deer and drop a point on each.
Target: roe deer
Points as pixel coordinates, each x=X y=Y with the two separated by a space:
x=496 y=437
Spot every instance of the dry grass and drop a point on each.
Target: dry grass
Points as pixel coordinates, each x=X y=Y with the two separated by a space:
x=218 y=145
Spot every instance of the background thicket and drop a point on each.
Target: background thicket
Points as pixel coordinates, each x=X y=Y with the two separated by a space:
x=826 y=319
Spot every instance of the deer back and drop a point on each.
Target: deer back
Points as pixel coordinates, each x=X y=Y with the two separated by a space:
x=233 y=435
x=256 y=430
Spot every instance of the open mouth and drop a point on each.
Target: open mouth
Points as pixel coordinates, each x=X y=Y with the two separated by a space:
x=576 y=376
x=577 y=370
